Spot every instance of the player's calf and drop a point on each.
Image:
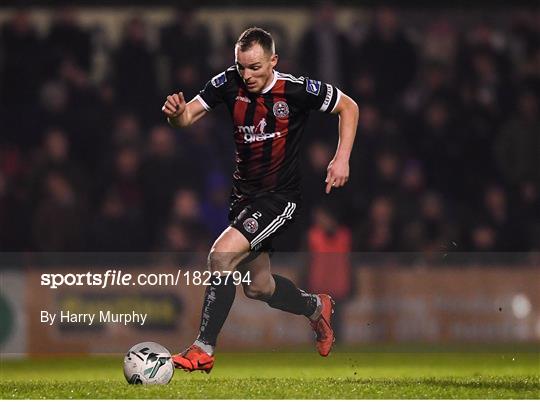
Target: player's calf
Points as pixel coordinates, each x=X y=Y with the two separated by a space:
x=261 y=285
x=258 y=292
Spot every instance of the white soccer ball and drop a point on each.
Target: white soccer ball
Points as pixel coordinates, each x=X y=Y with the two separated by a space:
x=148 y=363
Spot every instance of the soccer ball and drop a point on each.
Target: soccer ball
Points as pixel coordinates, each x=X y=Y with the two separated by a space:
x=148 y=363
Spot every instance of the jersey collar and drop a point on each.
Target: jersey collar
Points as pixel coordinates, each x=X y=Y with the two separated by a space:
x=272 y=83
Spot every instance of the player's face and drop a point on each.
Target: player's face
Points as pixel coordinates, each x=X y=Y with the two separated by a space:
x=255 y=67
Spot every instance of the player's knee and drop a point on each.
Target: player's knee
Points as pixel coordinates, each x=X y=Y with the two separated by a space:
x=228 y=251
x=219 y=261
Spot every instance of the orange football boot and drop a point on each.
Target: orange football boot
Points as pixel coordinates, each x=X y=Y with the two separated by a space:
x=322 y=326
x=193 y=358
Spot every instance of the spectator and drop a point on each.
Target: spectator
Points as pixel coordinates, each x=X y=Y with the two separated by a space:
x=180 y=246
x=387 y=173
x=215 y=205
x=187 y=78
x=53 y=108
x=115 y=228
x=364 y=88
x=510 y=230
x=126 y=131
x=59 y=220
x=134 y=63
x=20 y=80
x=412 y=188
x=204 y=151
x=483 y=239
x=54 y=156
x=15 y=215
x=434 y=83
x=318 y=155
x=124 y=177
x=186 y=214
x=187 y=44
x=434 y=223
x=518 y=145
x=440 y=42
x=440 y=148
x=330 y=244
x=87 y=120
x=387 y=55
x=162 y=172
x=528 y=204
x=380 y=232
x=68 y=40
x=323 y=47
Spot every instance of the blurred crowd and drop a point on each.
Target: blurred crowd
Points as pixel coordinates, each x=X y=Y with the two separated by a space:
x=447 y=155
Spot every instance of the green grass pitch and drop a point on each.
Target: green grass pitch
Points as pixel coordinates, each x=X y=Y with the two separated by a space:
x=345 y=374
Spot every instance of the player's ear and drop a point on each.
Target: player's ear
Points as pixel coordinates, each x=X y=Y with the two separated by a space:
x=274 y=59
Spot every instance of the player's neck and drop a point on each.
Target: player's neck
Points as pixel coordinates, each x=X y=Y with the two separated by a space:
x=269 y=82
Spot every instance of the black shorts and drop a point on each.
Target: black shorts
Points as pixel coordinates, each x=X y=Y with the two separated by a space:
x=263 y=218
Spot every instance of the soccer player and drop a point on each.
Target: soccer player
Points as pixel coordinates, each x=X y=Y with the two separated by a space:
x=269 y=110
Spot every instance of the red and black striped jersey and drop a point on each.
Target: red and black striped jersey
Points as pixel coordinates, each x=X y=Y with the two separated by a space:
x=268 y=127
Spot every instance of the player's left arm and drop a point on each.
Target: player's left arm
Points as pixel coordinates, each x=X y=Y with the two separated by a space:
x=338 y=168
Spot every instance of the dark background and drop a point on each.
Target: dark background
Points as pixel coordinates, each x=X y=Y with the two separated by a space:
x=446 y=157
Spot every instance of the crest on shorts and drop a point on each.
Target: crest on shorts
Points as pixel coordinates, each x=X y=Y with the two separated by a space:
x=251 y=225
x=281 y=110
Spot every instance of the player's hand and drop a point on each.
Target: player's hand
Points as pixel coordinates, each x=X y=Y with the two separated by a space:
x=174 y=106
x=337 y=174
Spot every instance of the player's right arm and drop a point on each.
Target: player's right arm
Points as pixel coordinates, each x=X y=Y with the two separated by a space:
x=182 y=114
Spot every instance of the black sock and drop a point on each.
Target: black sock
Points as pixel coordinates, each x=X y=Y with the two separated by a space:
x=218 y=300
x=288 y=297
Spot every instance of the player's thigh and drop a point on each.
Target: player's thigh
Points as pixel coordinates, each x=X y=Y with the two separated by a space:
x=229 y=249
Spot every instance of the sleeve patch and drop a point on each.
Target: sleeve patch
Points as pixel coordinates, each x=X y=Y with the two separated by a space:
x=313 y=86
x=219 y=80
x=327 y=98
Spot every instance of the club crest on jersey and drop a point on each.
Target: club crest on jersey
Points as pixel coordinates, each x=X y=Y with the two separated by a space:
x=251 y=225
x=313 y=86
x=219 y=80
x=281 y=110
